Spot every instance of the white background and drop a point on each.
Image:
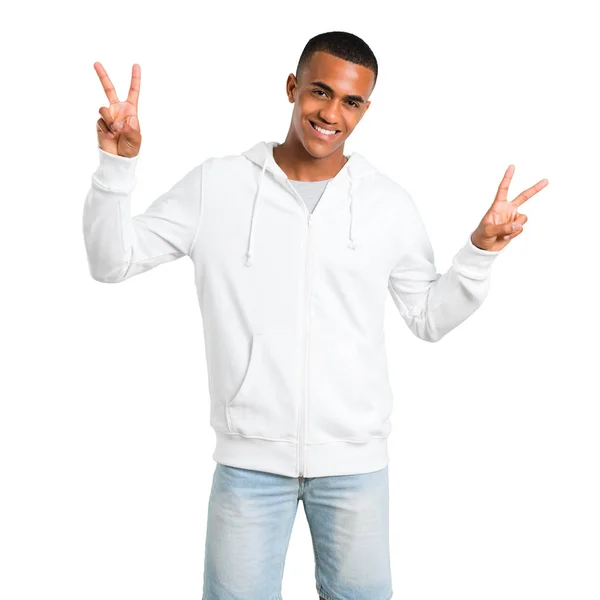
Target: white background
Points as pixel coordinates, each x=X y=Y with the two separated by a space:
x=105 y=447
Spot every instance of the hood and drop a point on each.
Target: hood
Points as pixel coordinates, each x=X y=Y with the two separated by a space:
x=354 y=170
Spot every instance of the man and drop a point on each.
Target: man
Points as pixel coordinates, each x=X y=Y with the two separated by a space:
x=295 y=247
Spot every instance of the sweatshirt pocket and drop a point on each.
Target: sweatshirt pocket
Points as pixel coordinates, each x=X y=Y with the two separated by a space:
x=350 y=393
x=265 y=404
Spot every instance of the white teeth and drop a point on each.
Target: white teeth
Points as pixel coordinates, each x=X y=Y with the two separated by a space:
x=321 y=130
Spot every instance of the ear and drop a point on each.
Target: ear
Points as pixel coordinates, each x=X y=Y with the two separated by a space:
x=291 y=87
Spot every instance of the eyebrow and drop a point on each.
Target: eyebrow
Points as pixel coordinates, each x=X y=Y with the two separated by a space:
x=329 y=89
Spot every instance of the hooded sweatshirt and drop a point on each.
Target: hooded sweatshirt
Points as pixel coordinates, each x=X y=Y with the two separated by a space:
x=292 y=301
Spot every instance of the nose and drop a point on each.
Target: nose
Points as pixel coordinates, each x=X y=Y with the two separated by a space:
x=330 y=113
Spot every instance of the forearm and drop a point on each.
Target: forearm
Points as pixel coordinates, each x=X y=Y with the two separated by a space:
x=432 y=304
x=107 y=218
x=119 y=246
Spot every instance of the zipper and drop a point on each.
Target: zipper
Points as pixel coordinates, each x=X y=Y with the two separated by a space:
x=302 y=420
x=302 y=447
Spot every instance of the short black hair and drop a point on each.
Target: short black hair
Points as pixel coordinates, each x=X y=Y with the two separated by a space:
x=342 y=44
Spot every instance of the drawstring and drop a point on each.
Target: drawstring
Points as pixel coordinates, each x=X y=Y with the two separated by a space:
x=351 y=242
x=249 y=250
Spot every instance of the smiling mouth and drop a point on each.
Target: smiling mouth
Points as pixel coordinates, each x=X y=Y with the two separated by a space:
x=321 y=132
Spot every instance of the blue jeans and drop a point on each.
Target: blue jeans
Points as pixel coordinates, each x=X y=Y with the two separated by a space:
x=250 y=519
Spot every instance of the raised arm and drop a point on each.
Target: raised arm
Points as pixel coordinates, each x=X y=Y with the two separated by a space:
x=117 y=245
x=431 y=303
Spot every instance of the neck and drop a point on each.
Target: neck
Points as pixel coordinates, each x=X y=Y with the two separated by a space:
x=299 y=165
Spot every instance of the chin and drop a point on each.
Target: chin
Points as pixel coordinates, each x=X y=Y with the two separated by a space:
x=314 y=148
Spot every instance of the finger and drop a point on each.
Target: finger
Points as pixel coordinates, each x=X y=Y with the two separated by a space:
x=131 y=137
x=491 y=231
x=528 y=193
x=513 y=235
x=127 y=132
x=108 y=118
x=134 y=122
x=130 y=133
x=109 y=89
x=502 y=193
x=101 y=126
x=134 y=89
x=521 y=219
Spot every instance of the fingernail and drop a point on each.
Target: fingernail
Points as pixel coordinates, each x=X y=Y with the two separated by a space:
x=112 y=126
x=516 y=226
x=110 y=134
x=118 y=125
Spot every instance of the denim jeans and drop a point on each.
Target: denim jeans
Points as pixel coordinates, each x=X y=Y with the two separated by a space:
x=250 y=519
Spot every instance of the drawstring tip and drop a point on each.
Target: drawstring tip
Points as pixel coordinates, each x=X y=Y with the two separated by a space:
x=352 y=244
x=248 y=262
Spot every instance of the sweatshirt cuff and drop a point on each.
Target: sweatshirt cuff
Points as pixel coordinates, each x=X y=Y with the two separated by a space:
x=473 y=261
x=116 y=172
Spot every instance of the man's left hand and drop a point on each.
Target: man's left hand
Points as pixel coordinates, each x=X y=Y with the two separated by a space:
x=503 y=222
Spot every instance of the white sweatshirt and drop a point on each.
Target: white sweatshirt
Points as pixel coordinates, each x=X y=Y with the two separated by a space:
x=292 y=304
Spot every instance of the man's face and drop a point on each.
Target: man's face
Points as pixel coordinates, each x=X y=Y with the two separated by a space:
x=328 y=105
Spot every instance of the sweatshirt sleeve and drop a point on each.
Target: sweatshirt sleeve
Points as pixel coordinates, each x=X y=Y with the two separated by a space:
x=119 y=246
x=431 y=303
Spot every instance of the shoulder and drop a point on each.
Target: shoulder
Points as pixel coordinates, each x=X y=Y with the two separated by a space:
x=392 y=196
x=226 y=164
x=231 y=172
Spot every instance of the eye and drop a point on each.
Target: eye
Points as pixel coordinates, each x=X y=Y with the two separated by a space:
x=352 y=102
x=317 y=91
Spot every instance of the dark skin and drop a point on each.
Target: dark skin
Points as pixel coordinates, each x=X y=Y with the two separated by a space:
x=303 y=156
x=338 y=102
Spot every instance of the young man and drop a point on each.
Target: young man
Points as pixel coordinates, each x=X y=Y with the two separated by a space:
x=295 y=247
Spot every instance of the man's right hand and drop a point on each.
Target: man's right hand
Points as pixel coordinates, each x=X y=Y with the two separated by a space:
x=124 y=141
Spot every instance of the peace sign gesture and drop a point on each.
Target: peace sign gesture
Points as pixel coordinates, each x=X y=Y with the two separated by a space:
x=503 y=222
x=119 y=129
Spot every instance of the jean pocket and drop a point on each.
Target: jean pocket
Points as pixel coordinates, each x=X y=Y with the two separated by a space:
x=265 y=404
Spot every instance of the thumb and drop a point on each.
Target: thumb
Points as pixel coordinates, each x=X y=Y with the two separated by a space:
x=128 y=132
x=503 y=229
x=122 y=127
x=130 y=140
